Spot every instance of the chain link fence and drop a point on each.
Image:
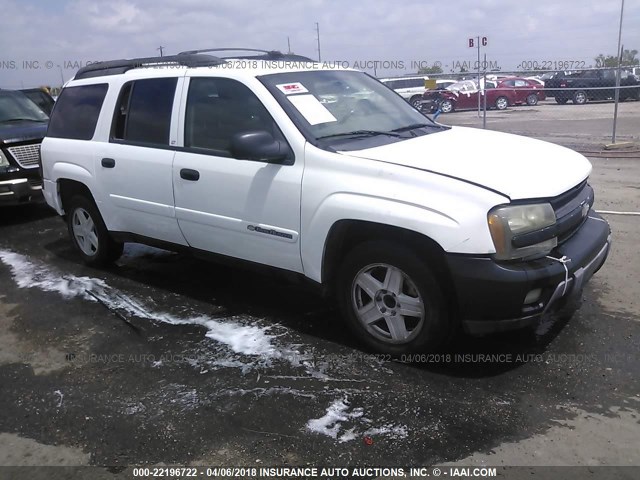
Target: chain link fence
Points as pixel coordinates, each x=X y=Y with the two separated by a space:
x=570 y=107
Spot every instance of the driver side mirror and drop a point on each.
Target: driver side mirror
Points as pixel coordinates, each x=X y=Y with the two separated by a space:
x=260 y=146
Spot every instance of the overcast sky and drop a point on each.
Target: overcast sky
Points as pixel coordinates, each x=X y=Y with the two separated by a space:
x=61 y=35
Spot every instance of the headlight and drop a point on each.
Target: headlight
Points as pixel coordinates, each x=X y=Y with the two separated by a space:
x=521 y=231
x=3 y=160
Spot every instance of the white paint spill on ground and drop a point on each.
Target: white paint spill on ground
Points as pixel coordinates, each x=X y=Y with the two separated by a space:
x=242 y=339
x=339 y=412
x=264 y=392
x=60 y=398
x=28 y=275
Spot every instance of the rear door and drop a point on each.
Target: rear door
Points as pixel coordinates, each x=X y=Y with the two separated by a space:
x=134 y=168
x=239 y=208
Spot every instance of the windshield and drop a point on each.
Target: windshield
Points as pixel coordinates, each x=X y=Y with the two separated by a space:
x=16 y=107
x=332 y=106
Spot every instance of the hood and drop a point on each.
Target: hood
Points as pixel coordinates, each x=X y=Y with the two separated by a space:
x=22 y=131
x=518 y=167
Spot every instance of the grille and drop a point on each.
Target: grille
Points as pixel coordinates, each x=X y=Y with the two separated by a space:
x=27 y=156
x=35 y=183
x=571 y=210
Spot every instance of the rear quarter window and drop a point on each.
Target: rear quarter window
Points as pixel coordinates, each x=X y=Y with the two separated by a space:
x=76 y=112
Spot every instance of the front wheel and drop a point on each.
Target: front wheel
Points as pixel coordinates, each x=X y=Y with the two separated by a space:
x=415 y=101
x=89 y=234
x=502 y=103
x=391 y=300
x=532 y=99
x=579 y=98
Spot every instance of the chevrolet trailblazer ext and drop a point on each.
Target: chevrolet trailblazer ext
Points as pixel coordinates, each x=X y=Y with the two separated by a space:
x=332 y=176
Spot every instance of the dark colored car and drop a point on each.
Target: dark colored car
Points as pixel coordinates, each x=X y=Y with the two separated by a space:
x=586 y=85
x=41 y=98
x=552 y=81
x=22 y=127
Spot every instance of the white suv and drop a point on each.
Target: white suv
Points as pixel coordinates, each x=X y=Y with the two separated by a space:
x=409 y=88
x=415 y=228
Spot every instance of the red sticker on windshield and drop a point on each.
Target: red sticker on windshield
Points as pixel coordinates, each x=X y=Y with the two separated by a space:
x=291 y=88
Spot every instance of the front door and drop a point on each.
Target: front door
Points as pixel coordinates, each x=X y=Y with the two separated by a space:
x=238 y=208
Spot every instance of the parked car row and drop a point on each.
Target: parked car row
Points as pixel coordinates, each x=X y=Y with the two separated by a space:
x=505 y=91
x=499 y=93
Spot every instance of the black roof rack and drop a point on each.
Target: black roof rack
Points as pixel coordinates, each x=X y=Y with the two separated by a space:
x=115 y=67
x=263 y=54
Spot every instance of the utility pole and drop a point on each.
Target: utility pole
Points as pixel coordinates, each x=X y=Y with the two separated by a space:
x=161 y=48
x=288 y=45
x=617 y=92
x=318 y=37
x=475 y=43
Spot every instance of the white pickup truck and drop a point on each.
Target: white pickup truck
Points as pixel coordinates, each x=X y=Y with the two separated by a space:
x=413 y=228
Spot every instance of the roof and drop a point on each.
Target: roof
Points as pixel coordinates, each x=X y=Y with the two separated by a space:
x=256 y=60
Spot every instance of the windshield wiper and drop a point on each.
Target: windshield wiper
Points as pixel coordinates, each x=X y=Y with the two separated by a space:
x=412 y=127
x=357 y=133
x=21 y=120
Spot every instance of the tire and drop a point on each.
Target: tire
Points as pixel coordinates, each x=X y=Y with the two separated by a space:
x=376 y=283
x=502 y=103
x=89 y=234
x=446 y=106
x=532 y=99
x=579 y=98
x=415 y=101
x=561 y=101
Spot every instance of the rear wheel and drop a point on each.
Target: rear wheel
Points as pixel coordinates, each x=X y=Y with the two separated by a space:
x=446 y=106
x=532 y=99
x=391 y=300
x=89 y=234
x=502 y=103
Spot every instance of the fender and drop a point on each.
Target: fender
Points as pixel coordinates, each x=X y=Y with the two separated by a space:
x=66 y=171
x=450 y=233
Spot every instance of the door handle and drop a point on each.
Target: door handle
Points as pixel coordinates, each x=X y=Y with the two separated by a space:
x=108 y=162
x=189 y=174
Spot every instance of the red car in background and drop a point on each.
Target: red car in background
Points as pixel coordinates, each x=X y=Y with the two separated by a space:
x=500 y=94
x=521 y=90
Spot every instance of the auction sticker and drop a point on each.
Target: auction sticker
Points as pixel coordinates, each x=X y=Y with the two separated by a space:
x=311 y=109
x=291 y=88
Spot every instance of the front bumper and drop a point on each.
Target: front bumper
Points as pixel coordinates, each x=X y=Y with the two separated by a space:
x=491 y=295
x=17 y=191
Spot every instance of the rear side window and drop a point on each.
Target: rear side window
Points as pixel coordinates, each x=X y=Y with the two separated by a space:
x=143 y=112
x=76 y=112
